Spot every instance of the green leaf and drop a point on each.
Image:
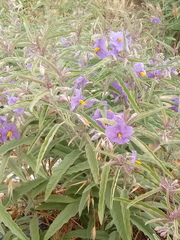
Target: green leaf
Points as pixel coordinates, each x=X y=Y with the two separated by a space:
x=101 y=63
x=46 y=126
x=31 y=161
x=45 y=145
x=148 y=208
x=107 y=121
x=26 y=187
x=60 y=170
x=77 y=168
x=60 y=199
x=138 y=199
x=102 y=192
x=42 y=116
x=126 y=213
x=50 y=64
x=84 y=198
x=92 y=160
x=51 y=206
x=140 y=224
x=8 y=222
x=38 y=189
x=30 y=78
x=13 y=144
x=69 y=211
x=114 y=236
x=3 y=165
x=145 y=149
x=157 y=238
x=82 y=234
x=14 y=166
x=146 y=114
x=121 y=219
x=129 y=95
x=34 y=228
x=37 y=98
x=9 y=108
x=93 y=123
x=114 y=184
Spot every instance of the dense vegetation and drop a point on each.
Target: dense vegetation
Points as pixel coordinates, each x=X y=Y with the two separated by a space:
x=89 y=120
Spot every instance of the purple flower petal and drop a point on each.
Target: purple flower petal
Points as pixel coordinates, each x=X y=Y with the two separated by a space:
x=139 y=69
x=100 y=48
x=120 y=133
x=11 y=131
x=80 y=82
x=3 y=135
x=77 y=99
x=3 y=119
x=177 y=101
x=13 y=100
x=155 y=20
x=119 y=42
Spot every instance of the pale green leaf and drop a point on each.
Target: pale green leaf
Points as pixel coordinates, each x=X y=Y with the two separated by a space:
x=37 y=98
x=13 y=144
x=140 y=224
x=45 y=144
x=68 y=212
x=129 y=95
x=8 y=222
x=34 y=228
x=141 y=197
x=102 y=192
x=3 y=165
x=93 y=162
x=60 y=170
x=150 y=153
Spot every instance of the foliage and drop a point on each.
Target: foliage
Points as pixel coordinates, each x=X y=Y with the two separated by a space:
x=89 y=121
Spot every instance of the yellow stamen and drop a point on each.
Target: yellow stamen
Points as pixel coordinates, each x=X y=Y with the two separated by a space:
x=110 y=110
x=9 y=134
x=97 y=49
x=119 y=39
x=17 y=101
x=138 y=162
x=0 y=134
x=82 y=102
x=143 y=74
x=120 y=52
x=119 y=135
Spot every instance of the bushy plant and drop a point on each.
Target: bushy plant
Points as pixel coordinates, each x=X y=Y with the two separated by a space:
x=89 y=124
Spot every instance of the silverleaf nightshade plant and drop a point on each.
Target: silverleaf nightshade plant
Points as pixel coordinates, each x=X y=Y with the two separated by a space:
x=87 y=143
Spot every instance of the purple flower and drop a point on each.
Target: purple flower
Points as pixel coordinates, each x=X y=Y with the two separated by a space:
x=155 y=20
x=11 y=131
x=155 y=73
x=3 y=135
x=177 y=101
x=28 y=65
x=80 y=82
x=13 y=100
x=100 y=48
x=3 y=119
x=119 y=42
x=97 y=114
x=117 y=86
x=139 y=69
x=90 y=103
x=120 y=133
x=77 y=99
